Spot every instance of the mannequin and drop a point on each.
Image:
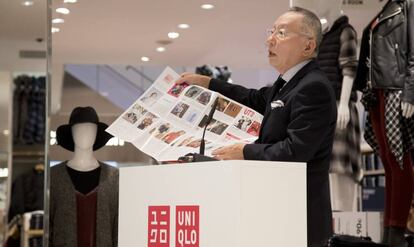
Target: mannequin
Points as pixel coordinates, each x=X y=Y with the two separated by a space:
x=84 y=135
x=338 y=59
x=385 y=75
x=83 y=190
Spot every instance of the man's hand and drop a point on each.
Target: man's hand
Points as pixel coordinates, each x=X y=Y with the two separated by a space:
x=194 y=79
x=232 y=152
x=343 y=117
x=407 y=109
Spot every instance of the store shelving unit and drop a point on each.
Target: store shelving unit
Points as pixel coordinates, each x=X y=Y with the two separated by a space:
x=373 y=178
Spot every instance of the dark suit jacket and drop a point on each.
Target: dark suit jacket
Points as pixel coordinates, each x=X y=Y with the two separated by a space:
x=302 y=131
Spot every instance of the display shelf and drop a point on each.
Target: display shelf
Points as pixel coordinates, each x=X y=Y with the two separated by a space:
x=34 y=233
x=367 y=150
x=374 y=172
x=28 y=153
x=34 y=150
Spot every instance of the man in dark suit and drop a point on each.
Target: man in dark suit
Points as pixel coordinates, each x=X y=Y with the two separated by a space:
x=299 y=113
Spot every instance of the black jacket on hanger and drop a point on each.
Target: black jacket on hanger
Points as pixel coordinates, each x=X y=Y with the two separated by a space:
x=27 y=193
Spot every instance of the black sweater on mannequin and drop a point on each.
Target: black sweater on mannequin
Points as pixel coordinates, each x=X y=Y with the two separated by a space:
x=84 y=182
x=337 y=54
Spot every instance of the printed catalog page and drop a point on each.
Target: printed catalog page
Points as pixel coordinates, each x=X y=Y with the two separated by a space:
x=167 y=121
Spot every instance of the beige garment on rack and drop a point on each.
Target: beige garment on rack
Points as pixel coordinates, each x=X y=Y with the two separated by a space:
x=344 y=192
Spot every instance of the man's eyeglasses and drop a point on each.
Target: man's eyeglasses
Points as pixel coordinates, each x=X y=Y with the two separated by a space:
x=282 y=33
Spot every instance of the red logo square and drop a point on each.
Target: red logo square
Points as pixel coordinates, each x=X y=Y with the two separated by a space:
x=158 y=226
x=187 y=222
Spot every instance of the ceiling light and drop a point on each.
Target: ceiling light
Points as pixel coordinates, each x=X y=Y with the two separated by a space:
x=6 y=132
x=58 y=20
x=27 y=3
x=145 y=59
x=64 y=11
x=70 y=1
x=160 y=49
x=207 y=6
x=173 y=35
x=183 y=26
x=55 y=29
x=323 y=21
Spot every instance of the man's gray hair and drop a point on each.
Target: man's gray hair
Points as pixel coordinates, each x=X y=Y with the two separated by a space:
x=311 y=23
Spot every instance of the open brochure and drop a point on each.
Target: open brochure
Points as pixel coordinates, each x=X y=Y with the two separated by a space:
x=167 y=121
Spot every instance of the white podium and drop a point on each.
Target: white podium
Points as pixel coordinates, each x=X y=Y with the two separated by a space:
x=213 y=204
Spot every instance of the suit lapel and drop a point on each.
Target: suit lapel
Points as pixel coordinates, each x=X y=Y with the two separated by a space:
x=267 y=108
x=276 y=88
x=274 y=95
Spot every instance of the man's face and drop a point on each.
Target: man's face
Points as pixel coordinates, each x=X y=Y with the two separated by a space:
x=287 y=43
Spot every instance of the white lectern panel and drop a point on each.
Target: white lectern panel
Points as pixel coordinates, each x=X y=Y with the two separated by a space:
x=240 y=204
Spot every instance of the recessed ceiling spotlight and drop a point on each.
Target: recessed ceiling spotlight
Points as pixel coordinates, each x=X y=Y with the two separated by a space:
x=58 y=20
x=207 y=6
x=183 y=26
x=160 y=49
x=173 y=35
x=27 y=3
x=55 y=29
x=64 y=11
x=145 y=59
x=70 y=1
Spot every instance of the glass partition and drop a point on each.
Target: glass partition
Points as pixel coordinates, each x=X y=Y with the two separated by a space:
x=23 y=96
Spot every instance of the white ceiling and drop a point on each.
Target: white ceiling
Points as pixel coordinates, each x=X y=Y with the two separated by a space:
x=19 y=28
x=121 y=31
x=105 y=31
x=20 y=23
x=110 y=31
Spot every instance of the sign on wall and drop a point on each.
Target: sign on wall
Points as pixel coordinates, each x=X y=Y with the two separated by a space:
x=366 y=4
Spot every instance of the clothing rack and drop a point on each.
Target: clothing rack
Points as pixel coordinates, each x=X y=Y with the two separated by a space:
x=26 y=227
x=31 y=229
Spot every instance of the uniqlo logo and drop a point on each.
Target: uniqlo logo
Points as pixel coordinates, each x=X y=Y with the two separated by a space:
x=158 y=226
x=187 y=226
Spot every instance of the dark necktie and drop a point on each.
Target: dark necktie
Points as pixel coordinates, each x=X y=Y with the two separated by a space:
x=277 y=86
x=279 y=83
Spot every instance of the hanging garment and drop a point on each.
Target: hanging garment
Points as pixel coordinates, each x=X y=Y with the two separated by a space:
x=27 y=193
